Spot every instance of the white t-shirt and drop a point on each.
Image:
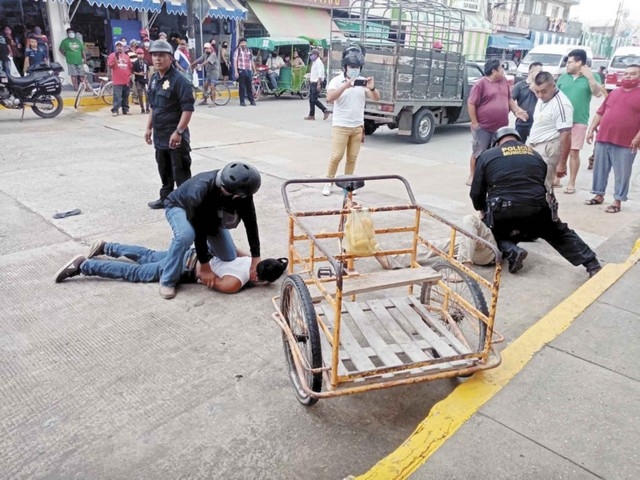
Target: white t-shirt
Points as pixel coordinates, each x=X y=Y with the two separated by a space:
x=550 y=117
x=348 y=109
x=317 y=71
x=239 y=268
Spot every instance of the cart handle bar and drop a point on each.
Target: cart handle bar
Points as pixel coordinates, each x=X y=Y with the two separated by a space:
x=293 y=181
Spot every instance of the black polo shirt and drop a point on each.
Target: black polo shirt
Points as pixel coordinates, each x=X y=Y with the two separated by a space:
x=169 y=96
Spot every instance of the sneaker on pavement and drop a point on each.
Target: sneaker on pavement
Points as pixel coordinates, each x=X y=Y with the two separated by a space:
x=516 y=259
x=326 y=115
x=309 y=117
x=203 y=102
x=326 y=190
x=96 y=249
x=156 y=204
x=593 y=267
x=167 y=292
x=71 y=269
x=114 y=114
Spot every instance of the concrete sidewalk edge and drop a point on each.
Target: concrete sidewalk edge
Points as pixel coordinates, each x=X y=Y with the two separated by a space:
x=91 y=101
x=452 y=412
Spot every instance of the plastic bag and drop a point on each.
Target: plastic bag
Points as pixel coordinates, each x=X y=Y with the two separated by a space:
x=359 y=233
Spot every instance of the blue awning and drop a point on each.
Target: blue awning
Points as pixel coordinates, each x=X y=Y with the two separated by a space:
x=507 y=42
x=143 y=5
x=230 y=9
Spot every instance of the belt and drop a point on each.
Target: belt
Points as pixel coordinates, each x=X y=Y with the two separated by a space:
x=535 y=144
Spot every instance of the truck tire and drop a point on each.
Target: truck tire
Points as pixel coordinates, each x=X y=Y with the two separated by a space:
x=424 y=124
x=369 y=127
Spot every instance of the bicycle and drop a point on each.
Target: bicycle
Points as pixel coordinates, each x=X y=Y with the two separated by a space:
x=222 y=92
x=103 y=89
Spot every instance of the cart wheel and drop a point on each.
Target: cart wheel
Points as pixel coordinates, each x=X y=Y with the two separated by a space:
x=472 y=329
x=297 y=308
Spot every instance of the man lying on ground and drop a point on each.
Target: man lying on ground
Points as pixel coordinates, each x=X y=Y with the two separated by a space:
x=229 y=277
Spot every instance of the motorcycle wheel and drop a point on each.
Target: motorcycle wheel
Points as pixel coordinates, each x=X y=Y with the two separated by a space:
x=56 y=106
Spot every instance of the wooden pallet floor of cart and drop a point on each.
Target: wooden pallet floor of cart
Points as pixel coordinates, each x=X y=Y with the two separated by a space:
x=392 y=332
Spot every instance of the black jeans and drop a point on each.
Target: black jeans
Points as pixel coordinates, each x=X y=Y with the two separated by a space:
x=313 y=100
x=174 y=166
x=120 y=98
x=524 y=131
x=141 y=88
x=515 y=224
x=245 y=88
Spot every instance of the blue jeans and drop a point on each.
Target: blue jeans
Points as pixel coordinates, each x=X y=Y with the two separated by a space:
x=148 y=267
x=621 y=159
x=120 y=98
x=245 y=86
x=183 y=237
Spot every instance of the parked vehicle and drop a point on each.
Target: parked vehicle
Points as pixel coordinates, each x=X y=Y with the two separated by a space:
x=622 y=58
x=291 y=78
x=553 y=58
x=414 y=52
x=40 y=90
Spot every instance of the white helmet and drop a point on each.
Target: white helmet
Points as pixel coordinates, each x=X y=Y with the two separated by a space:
x=207 y=45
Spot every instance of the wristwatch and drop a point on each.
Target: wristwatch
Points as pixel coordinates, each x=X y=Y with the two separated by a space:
x=372 y=89
x=180 y=131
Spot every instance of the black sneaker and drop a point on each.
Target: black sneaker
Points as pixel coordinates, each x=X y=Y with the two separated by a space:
x=516 y=259
x=156 y=204
x=253 y=104
x=71 y=269
x=96 y=249
x=593 y=267
x=242 y=104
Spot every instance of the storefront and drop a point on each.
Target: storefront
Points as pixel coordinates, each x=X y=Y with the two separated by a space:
x=508 y=47
x=292 y=18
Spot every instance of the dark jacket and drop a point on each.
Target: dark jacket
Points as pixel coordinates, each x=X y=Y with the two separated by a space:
x=205 y=205
x=512 y=172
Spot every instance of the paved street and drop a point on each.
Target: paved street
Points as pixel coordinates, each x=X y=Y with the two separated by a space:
x=103 y=379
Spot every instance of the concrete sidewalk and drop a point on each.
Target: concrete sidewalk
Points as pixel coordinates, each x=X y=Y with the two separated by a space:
x=572 y=411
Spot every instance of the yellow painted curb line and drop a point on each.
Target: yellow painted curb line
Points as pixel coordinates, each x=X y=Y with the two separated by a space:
x=451 y=413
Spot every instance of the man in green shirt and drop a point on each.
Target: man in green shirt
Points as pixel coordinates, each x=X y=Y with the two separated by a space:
x=579 y=84
x=73 y=51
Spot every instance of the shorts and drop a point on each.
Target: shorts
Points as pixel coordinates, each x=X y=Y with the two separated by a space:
x=76 y=70
x=480 y=141
x=578 y=134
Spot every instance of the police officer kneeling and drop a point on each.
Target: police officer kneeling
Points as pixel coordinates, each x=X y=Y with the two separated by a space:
x=509 y=188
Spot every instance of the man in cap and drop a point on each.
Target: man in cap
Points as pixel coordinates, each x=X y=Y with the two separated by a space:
x=509 y=190
x=316 y=79
x=171 y=100
x=209 y=59
x=121 y=68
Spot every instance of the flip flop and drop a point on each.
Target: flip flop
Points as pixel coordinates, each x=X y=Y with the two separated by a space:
x=594 y=201
x=569 y=190
x=612 y=209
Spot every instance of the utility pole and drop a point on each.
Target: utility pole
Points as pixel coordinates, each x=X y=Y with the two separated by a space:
x=618 y=16
x=191 y=31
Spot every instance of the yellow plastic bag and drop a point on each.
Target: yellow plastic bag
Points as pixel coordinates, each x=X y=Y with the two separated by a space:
x=360 y=234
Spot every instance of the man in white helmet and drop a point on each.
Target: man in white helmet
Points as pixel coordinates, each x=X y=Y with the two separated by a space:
x=209 y=59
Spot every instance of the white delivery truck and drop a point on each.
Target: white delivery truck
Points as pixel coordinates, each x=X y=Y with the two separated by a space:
x=553 y=58
x=622 y=58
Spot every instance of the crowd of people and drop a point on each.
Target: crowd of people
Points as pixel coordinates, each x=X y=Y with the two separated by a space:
x=513 y=170
x=21 y=51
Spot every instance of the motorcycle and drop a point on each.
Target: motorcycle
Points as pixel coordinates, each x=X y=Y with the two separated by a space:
x=40 y=90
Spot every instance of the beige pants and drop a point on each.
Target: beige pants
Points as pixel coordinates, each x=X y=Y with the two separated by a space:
x=465 y=250
x=344 y=139
x=550 y=152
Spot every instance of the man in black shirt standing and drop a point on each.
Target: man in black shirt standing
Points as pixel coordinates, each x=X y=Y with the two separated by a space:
x=171 y=99
x=509 y=189
x=526 y=99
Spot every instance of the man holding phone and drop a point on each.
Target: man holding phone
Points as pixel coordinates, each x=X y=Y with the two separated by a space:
x=348 y=92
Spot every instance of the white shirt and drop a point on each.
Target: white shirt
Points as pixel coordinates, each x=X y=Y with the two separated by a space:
x=239 y=268
x=348 y=108
x=317 y=71
x=551 y=117
x=275 y=64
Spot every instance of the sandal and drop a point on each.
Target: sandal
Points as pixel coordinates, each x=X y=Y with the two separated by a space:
x=570 y=190
x=594 y=201
x=612 y=208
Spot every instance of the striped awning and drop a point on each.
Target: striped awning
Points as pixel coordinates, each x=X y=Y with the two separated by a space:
x=230 y=9
x=508 y=42
x=476 y=23
x=475 y=45
x=544 y=38
x=140 y=5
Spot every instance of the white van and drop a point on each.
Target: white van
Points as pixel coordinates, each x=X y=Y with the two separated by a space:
x=553 y=58
x=622 y=57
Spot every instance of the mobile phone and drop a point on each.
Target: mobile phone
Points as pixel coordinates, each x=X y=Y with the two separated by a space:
x=360 y=82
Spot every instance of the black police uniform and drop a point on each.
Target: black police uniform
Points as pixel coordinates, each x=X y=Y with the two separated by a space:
x=509 y=187
x=169 y=96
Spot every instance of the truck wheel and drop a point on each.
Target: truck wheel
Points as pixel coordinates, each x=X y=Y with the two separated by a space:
x=370 y=127
x=424 y=124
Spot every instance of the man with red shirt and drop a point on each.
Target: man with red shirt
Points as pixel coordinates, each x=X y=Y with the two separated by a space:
x=618 y=139
x=121 y=68
x=489 y=104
